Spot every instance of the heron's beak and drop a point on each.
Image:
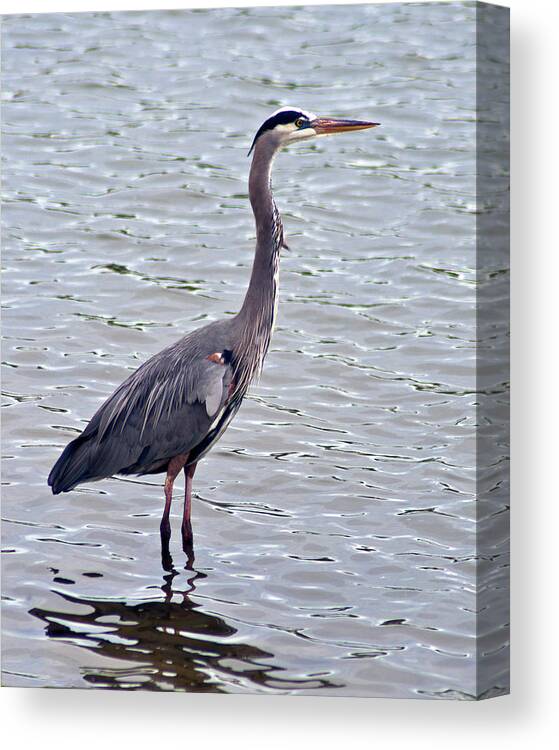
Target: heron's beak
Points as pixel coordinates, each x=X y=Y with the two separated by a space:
x=330 y=125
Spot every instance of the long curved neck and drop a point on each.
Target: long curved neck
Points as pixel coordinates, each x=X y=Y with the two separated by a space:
x=266 y=215
x=258 y=311
x=269 y=230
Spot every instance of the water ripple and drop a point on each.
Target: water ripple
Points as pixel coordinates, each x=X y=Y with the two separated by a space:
x=334 y=522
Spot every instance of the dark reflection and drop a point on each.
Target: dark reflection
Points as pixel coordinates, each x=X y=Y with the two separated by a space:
x=169 y=644
x=187 y=546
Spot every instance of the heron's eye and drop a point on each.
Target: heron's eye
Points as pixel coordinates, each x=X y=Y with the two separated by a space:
x=300 y=122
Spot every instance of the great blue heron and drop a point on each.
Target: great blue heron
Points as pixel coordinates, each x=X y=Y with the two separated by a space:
x=169 y=413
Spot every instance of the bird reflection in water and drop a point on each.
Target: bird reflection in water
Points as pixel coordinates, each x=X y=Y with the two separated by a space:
x=167 y=559
x=168 y=645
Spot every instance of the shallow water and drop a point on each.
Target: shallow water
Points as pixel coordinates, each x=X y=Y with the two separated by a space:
x=334 y=522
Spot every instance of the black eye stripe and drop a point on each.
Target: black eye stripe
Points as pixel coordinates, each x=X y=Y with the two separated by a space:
x=281 y=118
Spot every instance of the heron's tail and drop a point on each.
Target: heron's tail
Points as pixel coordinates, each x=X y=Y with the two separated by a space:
x=72 y=467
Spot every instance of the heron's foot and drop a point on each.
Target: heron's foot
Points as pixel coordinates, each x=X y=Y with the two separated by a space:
x=165 y=531
x=187 y=538
x=166 y=559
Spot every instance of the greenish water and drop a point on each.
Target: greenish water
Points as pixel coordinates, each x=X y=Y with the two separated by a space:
x=334 y=522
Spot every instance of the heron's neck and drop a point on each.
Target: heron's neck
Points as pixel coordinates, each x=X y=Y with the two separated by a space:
x=266 y=215
x=257 y=315
x=261 y=298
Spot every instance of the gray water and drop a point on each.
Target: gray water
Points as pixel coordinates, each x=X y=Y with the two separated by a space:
x=334 y=522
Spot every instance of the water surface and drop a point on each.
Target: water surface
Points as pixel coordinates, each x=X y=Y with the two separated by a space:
x=334 y=522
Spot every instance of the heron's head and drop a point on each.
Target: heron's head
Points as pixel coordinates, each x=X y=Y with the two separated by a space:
x=289 y=124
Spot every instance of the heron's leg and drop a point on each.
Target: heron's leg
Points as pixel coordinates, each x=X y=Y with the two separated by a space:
x=186 y=524
x=173 y=468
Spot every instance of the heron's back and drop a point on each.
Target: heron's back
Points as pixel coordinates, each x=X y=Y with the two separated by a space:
x=171 y=404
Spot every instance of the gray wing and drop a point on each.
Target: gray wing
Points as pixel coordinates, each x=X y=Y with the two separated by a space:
x=164 y=408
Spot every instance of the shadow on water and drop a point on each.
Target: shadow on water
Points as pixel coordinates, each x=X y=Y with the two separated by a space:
x=168 y=644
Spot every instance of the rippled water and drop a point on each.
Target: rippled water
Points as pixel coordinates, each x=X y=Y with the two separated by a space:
x=334 y=522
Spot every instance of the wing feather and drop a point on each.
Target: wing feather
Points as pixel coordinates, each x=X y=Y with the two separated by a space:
x=164 y=408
